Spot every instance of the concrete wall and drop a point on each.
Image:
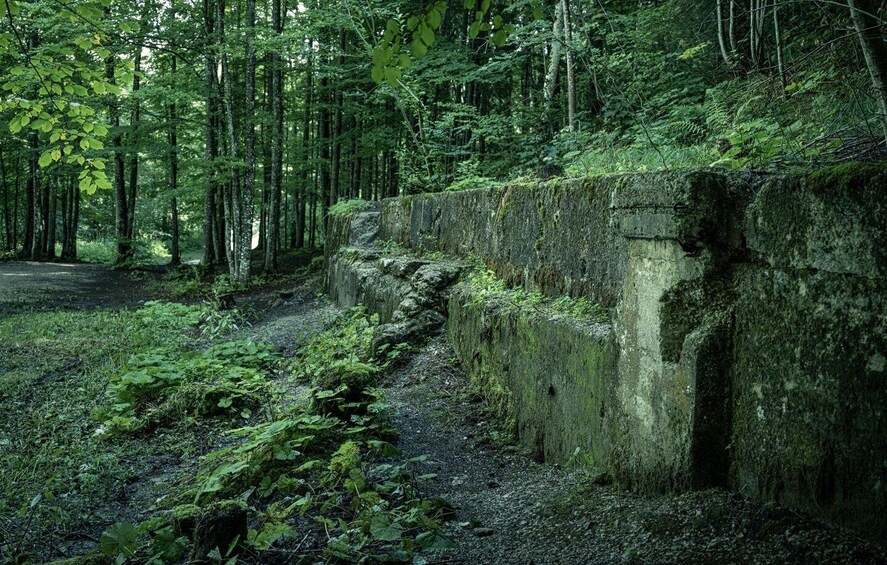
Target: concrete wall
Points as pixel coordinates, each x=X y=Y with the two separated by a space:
x=809 y=372
x=747 y=342
x=555 y=237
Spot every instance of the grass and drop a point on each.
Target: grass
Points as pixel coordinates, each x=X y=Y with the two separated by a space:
x=58 y=474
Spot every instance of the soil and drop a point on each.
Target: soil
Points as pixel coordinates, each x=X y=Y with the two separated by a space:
x=508 y=508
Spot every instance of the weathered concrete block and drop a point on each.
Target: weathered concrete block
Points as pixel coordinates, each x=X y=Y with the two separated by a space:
x=549 y=377
x=554 y=237
x=359 y=229
x=689 y=207
x=661 y=365
x=835 y=221
x=810 y=394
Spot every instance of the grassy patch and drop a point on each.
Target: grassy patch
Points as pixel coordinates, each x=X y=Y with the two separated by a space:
x=348 y=207
x=485 y=285
x=57 y=472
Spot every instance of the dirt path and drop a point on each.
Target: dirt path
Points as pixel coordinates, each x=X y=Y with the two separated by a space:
x=513 y=510
x=52 y=286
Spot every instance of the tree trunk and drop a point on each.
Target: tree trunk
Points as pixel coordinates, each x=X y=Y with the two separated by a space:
x=273 y=243
x=121 y=217
x=7 y=219
x=777 y=37
x=173 y=138
x=246 y=204
x=209 y=69
x=868 y=29
x=15 y=206
x=325 y=184
x=52 y=209
x=571 y=77
x=135 y=118
x=306 y=151
x=722 y=31
x=554 y=61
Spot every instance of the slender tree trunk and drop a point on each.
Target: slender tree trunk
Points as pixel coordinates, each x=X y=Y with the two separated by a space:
x=868 y=29
x=777 y=37
x=306 y=150
x=273 y=243
x=66 y=215
x=75 y=219
x=52 y=209
x=134 y=147
x=571 y=77
x=335 y=165
x=173 y=138
x=554 y=61
x=209 y=69
x=312 y=218
x=31 y=198
x=121 y=217
x=325 y=184
x=722 y=31
x=15 y=206
x=7 y=219
x=246 y=205
x=731 y=32
x=756 y=32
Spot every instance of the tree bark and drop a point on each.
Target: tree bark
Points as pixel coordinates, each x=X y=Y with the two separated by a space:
x=571 y=78
x=722 y=31
x=246 y=204
x=554 y=61
x=871 y=40
x=173 y=138
x=209 y=69
x=31 y=199
x=273 y=243
x=7 y=219
x=134 y=147
x=306 y=152
x=777 y=37
x=121 y=217
x=52 y=208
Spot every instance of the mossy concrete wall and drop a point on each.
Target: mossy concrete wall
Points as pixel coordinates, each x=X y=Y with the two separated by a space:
x=554 y=237
x=547 y=375
x=810 y=367
x=747 y=342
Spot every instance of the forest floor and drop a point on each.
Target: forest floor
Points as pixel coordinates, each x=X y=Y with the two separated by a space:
x=507 y=508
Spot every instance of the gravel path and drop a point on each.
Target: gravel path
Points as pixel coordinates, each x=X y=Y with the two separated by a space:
x=52 y=286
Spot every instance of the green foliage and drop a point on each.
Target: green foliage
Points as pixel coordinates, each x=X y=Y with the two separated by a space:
x=54 y=371
x=486 y=286
x=347 y=207
x=158 y=388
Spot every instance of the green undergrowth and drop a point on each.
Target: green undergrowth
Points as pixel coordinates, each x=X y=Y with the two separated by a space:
x=347 y=207
x=323 y=467
x=196 y=282
x=59 y=473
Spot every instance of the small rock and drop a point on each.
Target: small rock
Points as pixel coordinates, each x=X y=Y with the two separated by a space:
x=484 y=532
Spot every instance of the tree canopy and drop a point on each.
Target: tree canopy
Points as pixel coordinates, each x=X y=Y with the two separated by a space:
x=216 y=128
